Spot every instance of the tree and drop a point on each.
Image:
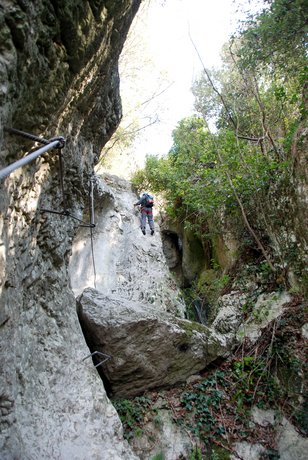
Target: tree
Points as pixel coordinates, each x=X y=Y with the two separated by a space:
x=277 y=38
x=142 y=84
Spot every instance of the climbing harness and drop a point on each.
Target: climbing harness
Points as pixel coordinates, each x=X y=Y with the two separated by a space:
x=53 y=143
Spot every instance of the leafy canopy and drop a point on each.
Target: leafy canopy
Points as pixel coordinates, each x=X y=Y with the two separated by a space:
x=257 y=101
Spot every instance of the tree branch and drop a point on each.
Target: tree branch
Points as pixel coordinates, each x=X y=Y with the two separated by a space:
x=212 y=83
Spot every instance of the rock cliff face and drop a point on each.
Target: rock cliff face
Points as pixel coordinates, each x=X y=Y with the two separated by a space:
x=135 y=314
x=126 y=262
x=58 y=76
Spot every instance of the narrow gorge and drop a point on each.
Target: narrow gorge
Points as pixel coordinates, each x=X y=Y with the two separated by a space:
x=104 y=352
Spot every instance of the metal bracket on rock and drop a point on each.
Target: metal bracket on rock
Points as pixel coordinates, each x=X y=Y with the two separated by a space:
x=54 y=143
x=98 y=353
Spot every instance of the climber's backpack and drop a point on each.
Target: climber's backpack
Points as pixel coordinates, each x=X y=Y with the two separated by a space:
x=147 y=200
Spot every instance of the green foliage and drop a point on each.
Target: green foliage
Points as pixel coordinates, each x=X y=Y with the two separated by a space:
x=265 y=269
x=203 y=397
x=192 y=298
x=159 y=456
x=196 y=454
x=236 y=174
x=212 y=287
x=131 y=413
x=139 y=180
x=254 y=382
x=277 y=36
x=219 y=453
x=204 y=293
x=219 y=406
x=195 y=182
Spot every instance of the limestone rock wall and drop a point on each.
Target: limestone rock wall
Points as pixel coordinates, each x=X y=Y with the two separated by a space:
x=58 y=76
x=126 y=262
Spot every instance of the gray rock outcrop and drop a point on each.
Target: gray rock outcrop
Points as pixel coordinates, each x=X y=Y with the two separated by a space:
x=148 y=348
x=126 y=262
x=291 y=444
x=58 y=76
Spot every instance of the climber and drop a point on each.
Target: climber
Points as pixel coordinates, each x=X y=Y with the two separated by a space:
x=146 y=203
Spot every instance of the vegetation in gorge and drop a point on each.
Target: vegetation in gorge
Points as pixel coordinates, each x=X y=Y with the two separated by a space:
x=217 y=408
x=242 y=172
x=242 y=175
x=132 y=414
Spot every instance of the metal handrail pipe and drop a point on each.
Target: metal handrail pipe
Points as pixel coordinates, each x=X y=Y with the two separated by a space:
x=27 y=159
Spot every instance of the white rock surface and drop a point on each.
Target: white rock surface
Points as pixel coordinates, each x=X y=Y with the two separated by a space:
x=127 y=263
x=230 y=312
x=291 y=445
x=173 y=441
x=305 y=331
x=247 y=451
x=263 y=417
x=268 y=307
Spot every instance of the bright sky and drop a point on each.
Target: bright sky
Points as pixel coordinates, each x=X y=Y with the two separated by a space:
x=209 y=24
x=163 y=28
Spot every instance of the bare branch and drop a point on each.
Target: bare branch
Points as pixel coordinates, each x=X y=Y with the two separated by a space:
x=154 y=96
x=129 y=133
x=212 y=83
x=256 y=93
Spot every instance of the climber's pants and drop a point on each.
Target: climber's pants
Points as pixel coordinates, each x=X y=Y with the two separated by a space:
x=146 y=213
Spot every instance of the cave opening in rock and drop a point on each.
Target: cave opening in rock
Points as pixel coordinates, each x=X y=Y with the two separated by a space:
x=173 y=252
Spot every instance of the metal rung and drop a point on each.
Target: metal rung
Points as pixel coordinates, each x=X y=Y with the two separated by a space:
x=98 y=353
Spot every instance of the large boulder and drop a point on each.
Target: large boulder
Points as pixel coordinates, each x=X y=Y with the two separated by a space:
x=148 y=348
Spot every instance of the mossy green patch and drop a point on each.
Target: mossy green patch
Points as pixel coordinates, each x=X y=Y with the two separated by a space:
x=191 y=326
